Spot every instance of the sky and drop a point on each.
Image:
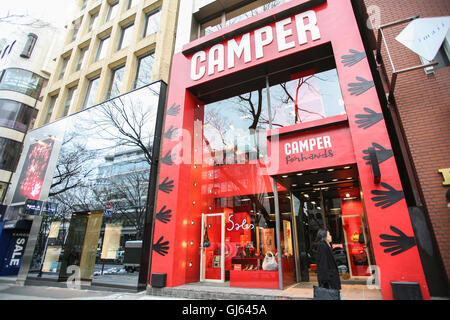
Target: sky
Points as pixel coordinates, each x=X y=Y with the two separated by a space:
x=54 y=11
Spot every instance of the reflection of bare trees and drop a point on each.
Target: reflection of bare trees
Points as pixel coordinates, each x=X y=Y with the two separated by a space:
x=71 y=169
x=128 y=195
x=249 y=107
x=125 y=123
x=288 y=98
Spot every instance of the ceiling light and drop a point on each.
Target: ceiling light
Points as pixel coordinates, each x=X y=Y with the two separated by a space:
x=347 y=195
x=347 y=167
x=313 y=202
x=330 y=170
x=306 y=195
x=284 y=176
x=349 y=178
x=307 y=183
x=320 y=181
x=334 y=180
x=294 y=185
x=299 y=174
x=314 y=171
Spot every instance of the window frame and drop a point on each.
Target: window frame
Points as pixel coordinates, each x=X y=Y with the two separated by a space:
x=138 y=65
x=81 y=56
x=114 y=5
x=111 y=81
x=101 y=47
x=68 y=104
x=50 y=108
x=93 y=20
x=87 y=94
x=149 y=14
x=123 y=30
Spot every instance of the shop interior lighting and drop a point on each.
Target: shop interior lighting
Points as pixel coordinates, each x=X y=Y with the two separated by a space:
x=347 y=167
x=284 y=176
x=299 y=174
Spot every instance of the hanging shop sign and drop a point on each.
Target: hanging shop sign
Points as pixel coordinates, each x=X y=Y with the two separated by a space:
x=314 y=149
x=252 y=45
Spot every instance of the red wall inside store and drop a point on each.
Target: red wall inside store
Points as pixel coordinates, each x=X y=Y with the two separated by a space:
x=337 y=25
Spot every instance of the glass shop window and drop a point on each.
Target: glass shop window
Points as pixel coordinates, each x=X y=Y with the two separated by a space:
x=306 y=96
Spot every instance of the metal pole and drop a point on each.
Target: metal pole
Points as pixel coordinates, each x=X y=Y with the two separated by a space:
x=277 y=232
x=275 y=197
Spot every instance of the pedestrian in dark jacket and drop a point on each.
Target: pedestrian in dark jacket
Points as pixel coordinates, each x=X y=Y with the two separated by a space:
x=327 y=271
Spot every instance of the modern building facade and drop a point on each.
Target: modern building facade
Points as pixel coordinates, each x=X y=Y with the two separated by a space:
x=277 y=125
x=92 y=155
x=111 y=47
x=25 y=67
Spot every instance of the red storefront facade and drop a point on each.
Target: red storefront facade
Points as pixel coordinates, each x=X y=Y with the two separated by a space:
x=208 y=191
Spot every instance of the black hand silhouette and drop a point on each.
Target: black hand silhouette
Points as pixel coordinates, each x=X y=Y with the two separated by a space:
x=171 y=133
x=166 y=186
x=358 y=88
x=161 y=248
x=368 y=120
x=352 y=59
x=387 y=198
x=163 y=215
x=168 y=158
x=382 y=153
x=397 y=244
x=173 y=110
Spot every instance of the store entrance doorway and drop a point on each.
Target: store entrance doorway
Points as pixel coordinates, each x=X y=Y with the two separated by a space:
x=329 y=198
x=212 y=257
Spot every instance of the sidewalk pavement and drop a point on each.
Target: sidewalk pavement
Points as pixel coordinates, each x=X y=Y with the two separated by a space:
x=9 y=291
x=195 y=291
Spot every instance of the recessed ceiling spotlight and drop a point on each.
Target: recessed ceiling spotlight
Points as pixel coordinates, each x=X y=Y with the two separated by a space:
x=299 y=174
x=347 y=167
x=284 y=176
x=347 y=195
x=334 y=180
x=314 y=171
x=320 y=181
x=330 y=170
x=349 y=178
x=307 y=183
x=313 y=202
x=294 y=185
x=306 y=195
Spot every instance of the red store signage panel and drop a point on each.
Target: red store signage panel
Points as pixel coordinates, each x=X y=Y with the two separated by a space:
x=315 y=149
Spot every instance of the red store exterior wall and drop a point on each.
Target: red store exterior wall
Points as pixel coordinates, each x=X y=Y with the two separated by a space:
x=173 y=253
x=421 y=102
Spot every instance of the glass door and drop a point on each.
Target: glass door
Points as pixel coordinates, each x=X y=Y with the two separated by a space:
x=212 y=257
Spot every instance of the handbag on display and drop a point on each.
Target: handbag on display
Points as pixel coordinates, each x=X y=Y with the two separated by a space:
x=269 y=263
x=206 y=242
x=322 y=293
